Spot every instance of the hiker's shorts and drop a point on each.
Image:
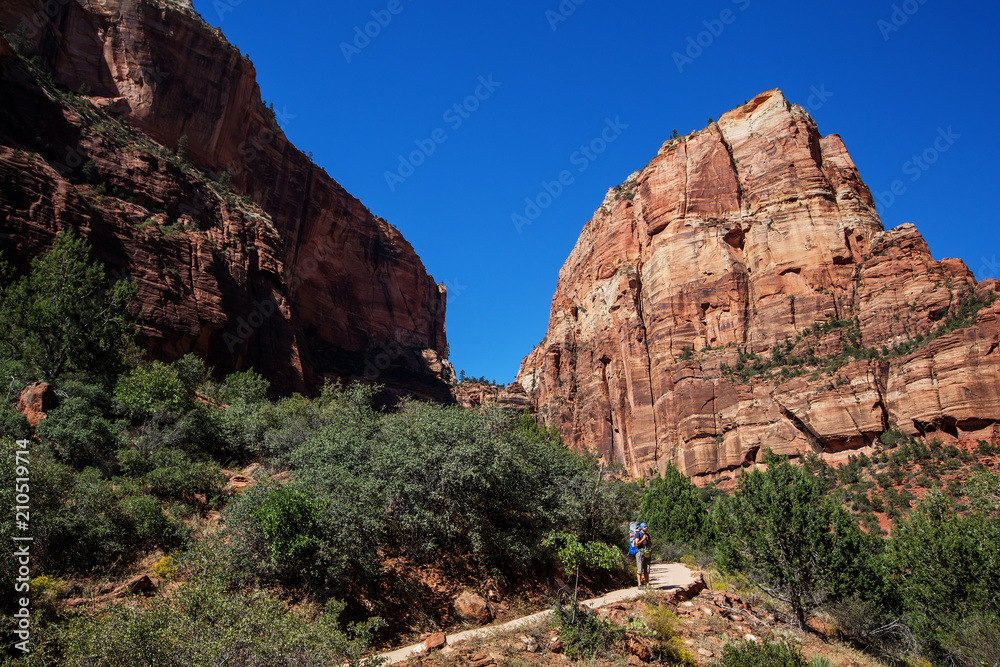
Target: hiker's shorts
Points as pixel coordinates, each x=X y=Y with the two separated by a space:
x=641 y=562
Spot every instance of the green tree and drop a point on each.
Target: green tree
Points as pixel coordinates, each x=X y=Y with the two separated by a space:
x=422 y=480
x=788 y=539
x=947 y=569
x=20 y=40
x=983 y=489
x=673 y=509
x=575 y=554
x=248 y=414
x=62 y=317
x=191 y=371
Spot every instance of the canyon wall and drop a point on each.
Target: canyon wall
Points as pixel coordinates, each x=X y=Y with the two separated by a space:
x=739 y=293
x=140 y=126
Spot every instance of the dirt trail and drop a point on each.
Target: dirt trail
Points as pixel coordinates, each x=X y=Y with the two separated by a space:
x=662 y=576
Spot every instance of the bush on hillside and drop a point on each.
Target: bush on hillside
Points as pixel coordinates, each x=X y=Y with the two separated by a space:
x=423 y=481
x=947 y=570
x=761 y=654
x=85 y=429
x=13 y=424
x=583 y=633
x=205 y=623
x=81 y=522
x=248 y=416
x=669 y=647
x=170 y=473
x=150 y=524
x=154 y=388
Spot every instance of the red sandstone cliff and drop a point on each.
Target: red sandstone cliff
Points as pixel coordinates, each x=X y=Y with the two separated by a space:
x=244 y=251
x=740 y=293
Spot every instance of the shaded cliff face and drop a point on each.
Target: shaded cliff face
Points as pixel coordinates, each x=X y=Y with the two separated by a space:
x=245 y=252
x=739 y=293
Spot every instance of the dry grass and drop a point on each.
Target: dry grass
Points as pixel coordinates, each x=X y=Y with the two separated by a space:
x=841 y=654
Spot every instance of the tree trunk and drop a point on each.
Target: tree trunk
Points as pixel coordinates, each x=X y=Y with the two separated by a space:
x=800 y=616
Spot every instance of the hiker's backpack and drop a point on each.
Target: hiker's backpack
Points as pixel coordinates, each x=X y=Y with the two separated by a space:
x=633 y=528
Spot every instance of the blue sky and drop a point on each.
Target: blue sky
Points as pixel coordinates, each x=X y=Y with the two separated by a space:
x=535 y=81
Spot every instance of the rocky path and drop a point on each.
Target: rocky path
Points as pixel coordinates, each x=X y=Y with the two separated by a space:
x=662 y=576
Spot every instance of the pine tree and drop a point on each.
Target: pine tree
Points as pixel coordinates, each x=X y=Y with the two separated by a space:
x=672 y=508
x=790 y=540
x=63 y=316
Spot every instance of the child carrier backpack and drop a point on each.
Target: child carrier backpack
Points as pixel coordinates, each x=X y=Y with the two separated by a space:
x=633 y=528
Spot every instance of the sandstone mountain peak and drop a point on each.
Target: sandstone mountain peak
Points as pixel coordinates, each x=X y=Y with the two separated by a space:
x=740 y=293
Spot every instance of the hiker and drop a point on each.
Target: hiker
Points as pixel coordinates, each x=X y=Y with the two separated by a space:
x=643 y=546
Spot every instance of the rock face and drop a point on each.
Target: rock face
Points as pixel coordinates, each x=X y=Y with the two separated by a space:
x=473 y=394
x=167 y=160
x=739 y=293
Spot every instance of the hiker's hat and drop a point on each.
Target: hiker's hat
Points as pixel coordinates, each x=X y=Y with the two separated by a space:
x=642 y=525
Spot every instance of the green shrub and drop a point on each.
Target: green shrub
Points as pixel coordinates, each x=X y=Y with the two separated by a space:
x=669 y=647
x=170 y=473
x=202 y=625
x=242 y=429
x=289 y=520
x=761 y=654
x=947 y=570
x=90 y=529
x=874 y=624
x=190 y=371
x=154 y=388
x=465 y=481
x=20 y=40
x=77 y=521
x=975 y=642
x=153 y=528
x=296 y=537
x=244 y=387
x=49 y=485
x=583 y=633
x=81 y=522
x=243 y=425
x=983 y=488
x=893 y=437
x=82 y=429
x=13 y=424
x=422 y=480
x=294 y=419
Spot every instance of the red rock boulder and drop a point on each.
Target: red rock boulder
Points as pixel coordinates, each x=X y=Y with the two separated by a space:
x=35 y=400
x=472 y=607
